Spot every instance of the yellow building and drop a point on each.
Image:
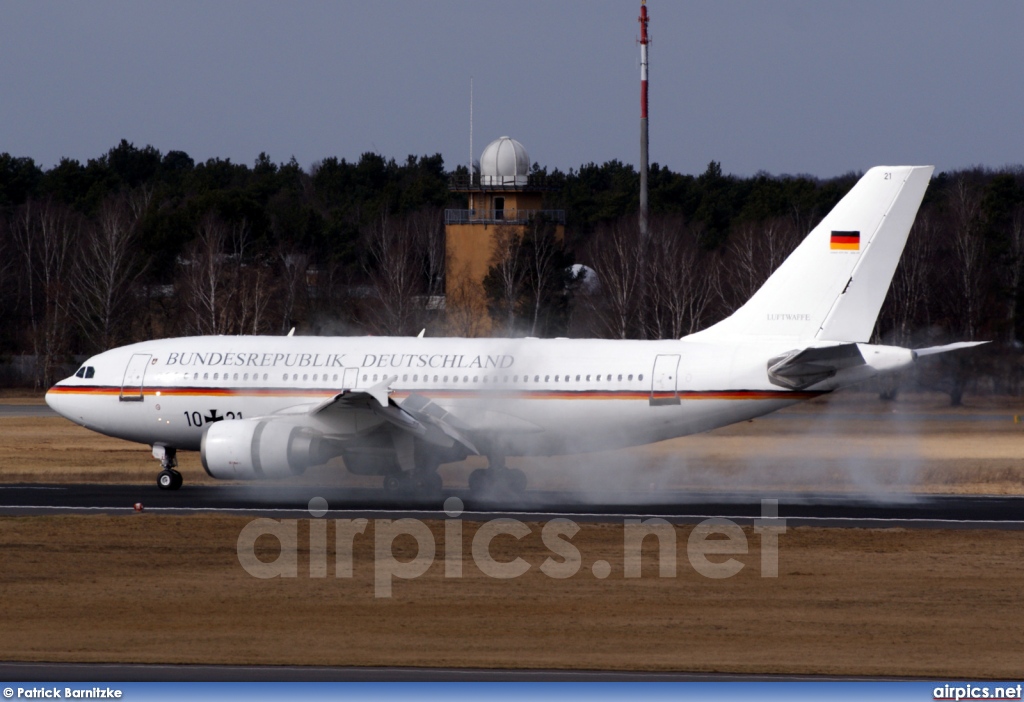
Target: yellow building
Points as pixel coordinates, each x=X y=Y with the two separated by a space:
x=502 y=197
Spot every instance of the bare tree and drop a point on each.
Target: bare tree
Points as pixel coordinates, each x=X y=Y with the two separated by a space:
x=206 y=292
x=105 y=271
x=138 y=201
x=909 y=291
x=506 y=274
x=684 y=284
x=294 y=266
x=544 y=272
x=255 y=281
x=428 y=232
x=968 y=275
x=968 y=255
x=395 y=273
x=1015 y=267
x=756 y=249
x=617 y=259
x=223 y=289
x=43 y=234
x=7 y=255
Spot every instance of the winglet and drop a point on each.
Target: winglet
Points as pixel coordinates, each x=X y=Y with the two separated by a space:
x=422 y=332
x=381 y=390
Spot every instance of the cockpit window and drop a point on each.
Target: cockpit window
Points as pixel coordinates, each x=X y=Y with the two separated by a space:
x=85 y=372
x=80 y=373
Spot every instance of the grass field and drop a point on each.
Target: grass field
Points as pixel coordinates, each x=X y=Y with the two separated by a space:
x=933 y=603
x=149 y=588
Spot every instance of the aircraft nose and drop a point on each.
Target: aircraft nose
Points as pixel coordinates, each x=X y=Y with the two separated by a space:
x=52 y=399
x=58 y=402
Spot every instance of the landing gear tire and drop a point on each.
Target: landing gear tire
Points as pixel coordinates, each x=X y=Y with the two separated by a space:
x=431 y=483
x=427 y=484
x=169 y=479
x=480 y=481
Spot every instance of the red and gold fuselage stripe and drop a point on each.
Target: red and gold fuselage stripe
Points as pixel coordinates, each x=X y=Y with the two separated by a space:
x=112 y=391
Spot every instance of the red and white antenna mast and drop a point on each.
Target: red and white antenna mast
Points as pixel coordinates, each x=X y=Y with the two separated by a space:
x=643 y=118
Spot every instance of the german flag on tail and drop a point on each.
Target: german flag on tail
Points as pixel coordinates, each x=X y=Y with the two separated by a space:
x=845 y=241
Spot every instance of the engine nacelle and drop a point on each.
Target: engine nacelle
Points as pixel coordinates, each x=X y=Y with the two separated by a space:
x=246 y=449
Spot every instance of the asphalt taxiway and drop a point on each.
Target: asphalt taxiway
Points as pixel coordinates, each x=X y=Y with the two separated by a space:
x=26 y=410
x=824 y=510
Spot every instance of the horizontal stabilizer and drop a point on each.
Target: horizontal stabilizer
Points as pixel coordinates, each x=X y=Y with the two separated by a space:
x=932 y=350
x=801 y=368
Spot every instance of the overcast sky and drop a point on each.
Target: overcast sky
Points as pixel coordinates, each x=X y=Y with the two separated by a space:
x=784 y=86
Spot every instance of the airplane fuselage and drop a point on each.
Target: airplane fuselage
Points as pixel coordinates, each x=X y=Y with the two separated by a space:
x=534 y=396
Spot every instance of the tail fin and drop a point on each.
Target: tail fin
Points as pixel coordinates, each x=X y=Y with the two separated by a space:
x=833 y=285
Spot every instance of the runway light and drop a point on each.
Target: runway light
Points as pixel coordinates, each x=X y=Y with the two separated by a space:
x=139 y=507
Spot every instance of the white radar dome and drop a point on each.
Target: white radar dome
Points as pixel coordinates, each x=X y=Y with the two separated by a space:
x=504 y=162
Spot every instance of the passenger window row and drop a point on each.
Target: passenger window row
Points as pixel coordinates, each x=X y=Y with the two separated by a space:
x=503 y=379
x=88 y=371
x=216 y=376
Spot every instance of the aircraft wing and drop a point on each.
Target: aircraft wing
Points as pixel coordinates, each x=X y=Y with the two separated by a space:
x=417 y=415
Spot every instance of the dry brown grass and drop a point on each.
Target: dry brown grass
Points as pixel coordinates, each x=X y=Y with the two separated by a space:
x=148 y=588
x=154 y=588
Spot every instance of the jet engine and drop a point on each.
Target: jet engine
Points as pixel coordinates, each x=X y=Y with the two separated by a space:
x=246 y=449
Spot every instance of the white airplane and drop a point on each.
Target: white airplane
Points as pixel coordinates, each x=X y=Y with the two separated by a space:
x=269 y=407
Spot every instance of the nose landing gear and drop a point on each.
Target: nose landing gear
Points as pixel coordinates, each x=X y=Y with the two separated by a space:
x=168 y=479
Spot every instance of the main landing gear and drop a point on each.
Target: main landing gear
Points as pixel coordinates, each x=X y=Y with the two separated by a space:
x=168 y=479
x=422 y=480
x=497 y=480
x=418 y=482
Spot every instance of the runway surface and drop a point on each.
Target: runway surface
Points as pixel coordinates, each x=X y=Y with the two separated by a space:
x=827 y=510
x=15 y=410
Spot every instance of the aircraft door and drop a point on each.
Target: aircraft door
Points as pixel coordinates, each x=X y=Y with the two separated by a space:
x=349 y=381
x=134 y=375
x=664 y=387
